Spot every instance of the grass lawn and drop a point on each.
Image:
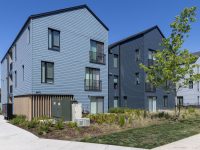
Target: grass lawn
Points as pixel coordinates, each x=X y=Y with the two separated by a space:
x=151 y=136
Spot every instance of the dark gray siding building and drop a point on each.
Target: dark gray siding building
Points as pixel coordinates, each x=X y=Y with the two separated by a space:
x=127 y=85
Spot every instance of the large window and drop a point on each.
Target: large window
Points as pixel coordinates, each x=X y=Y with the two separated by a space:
x=96 y=105
x=115 y=81
x=54 y=39
x=151 y=55
x=47 y=72
x=190 y=84
x=92 y=79
x=115 y=61
x=97 y=52
x=137 y=55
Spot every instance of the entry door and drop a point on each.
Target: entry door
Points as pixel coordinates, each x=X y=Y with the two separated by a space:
x=152 y=104
x=96 y=105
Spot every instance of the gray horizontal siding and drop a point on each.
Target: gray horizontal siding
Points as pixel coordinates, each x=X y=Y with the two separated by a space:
x=76 y=30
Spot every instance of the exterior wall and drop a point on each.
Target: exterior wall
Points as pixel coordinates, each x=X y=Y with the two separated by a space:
x=4 y=92
x=76 y=29
x=24 y=57
x=152 y=41
x=23 y=106
x=136 y=95
x=190 y=96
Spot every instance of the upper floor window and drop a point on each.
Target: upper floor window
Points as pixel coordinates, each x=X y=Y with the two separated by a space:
x=97 y=52
x=137 y=78
x=15 y=79
x=115 y=80
x=92 y=79
x=28 y=35
x=15 y=51
x=137 y=55
x=190 y=84
x=23 y=72
x=151 y=54
x=54 y=39
x=47 y=72
x=115 y=61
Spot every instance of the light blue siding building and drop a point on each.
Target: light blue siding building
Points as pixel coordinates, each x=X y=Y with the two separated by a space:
x=62 y=52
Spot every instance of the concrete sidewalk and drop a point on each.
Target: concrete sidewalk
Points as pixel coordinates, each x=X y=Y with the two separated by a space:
x=14 y=138
x=190 y=143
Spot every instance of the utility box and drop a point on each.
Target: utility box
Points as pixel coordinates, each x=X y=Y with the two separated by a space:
x=76 y=111
x=7 y=111
x=61 y=108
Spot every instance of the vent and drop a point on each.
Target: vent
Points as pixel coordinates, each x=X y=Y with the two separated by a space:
x=83 y=122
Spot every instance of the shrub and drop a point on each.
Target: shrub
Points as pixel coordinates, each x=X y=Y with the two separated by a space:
x=121 y=120
x=102 y=118
x=32 y=124
x=72 y=124
x=59 y=124
x=191 y=110
x=43 y=128
x=18 y=120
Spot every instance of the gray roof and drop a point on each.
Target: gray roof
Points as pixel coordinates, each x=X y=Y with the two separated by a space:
x=52 y=13
x=137 y=35
x=197 y=53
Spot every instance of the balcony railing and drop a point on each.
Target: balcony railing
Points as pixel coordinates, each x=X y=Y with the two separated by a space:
x=93 y=85
x=150 y=62
x=98 y=58
x=150 y=87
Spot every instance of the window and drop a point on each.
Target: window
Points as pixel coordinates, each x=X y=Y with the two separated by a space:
x=190 y=84
x=23 y=72
x=54 y=39
x=28 y=35
x=137 y=78
x=47 y=72
x=96 y=105
x=115 y=80
x=137 y=54
x=15 y=51
x=116 y=99
x=180 y=100
x=115 y=61
x=11 y=89
x=125 y=101
x=165 y=101
x=92 y=79
x=97 y=52
x=151 y=55
x=15 y=79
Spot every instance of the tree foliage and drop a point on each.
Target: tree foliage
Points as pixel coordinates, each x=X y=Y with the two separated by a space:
x=174 y=66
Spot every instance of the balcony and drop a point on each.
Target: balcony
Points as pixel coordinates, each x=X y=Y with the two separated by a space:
x=98 y=58
x=93 y=85
x=150 y=62
x=150 y=87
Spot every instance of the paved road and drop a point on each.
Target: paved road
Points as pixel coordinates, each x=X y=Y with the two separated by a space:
x=14 y=138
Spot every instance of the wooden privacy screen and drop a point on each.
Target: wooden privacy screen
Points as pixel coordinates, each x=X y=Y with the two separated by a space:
x=35 y=105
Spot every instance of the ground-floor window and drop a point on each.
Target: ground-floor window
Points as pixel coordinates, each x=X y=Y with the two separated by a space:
x=96 y=105
x=180 y=100
x=165 y=101
x=152 y=103
x=116 y=101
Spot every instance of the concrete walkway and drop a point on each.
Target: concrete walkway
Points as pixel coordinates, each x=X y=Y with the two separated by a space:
x=14 y=138
x=191 y=143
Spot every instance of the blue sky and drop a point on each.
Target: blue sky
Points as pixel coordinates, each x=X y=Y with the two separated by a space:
x=123 y=17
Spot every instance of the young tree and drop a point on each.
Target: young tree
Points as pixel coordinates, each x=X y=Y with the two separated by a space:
x=173 y=67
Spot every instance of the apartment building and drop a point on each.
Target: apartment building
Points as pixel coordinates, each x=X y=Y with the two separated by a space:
x=127 y=81
x=57 y=55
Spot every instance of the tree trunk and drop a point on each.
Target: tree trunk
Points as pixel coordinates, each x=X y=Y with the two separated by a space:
x=176 y=103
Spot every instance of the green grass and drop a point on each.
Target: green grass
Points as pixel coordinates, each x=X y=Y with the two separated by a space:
x=151 y=136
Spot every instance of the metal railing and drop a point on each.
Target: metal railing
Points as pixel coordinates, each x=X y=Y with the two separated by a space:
x=93 y=85
x=98 y=58
x=150 y=87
